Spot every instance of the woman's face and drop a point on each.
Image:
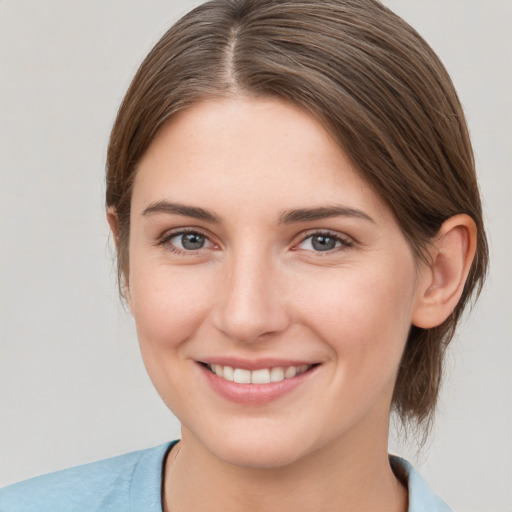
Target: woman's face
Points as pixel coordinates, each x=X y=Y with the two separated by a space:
x=259 y=255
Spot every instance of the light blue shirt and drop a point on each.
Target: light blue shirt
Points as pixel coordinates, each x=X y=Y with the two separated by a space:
x=133 y=483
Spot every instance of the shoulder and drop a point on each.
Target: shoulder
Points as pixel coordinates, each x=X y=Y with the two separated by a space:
x=108 y=485
x=421 y=497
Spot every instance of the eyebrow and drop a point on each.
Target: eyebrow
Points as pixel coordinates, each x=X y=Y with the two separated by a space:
x=181 y=209
x=325 y=212
x=287 y=217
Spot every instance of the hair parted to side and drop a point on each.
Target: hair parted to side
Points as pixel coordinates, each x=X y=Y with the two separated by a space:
x=377 y=87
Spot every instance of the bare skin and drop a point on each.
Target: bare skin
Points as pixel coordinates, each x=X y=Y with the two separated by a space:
x=326 y=481
x=255 y=244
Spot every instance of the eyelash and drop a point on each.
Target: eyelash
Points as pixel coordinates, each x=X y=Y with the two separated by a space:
x=167 y=237
x=344 y=242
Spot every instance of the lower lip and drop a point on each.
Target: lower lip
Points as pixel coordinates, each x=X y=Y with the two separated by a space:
x=254 y=394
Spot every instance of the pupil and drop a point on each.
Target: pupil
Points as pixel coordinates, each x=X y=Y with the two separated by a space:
x=192 y=241
x=323 y=243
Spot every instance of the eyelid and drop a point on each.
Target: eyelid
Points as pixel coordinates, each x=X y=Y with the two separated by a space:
x=345 y=240
x=165 y=238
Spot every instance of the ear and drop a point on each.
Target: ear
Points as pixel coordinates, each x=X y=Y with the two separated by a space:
x=113 y=222
x=442 y=280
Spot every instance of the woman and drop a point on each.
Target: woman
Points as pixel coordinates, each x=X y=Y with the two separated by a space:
x=291 y=189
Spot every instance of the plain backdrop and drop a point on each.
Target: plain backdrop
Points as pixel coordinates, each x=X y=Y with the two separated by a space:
x=73 y=387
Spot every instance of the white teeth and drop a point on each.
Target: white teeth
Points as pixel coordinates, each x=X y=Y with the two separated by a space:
x=227 y=373
x=290 y=372
x=218 y=370
x=242 y=376
x=276 y=374
x=261 y=376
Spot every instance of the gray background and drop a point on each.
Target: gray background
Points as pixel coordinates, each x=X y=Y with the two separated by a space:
x=73 y=388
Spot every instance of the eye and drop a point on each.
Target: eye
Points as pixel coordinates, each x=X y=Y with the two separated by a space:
x=186 y=241
x=323 y=242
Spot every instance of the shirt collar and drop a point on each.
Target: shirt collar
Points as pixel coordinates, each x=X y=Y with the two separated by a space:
x=421 y=497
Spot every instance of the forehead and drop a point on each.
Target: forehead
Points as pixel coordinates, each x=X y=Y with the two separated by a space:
x=263 y=152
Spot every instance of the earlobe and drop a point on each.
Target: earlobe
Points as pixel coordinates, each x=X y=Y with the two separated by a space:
x=442 y=281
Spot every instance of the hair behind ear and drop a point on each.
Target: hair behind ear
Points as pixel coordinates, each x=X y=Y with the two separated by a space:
x=443 y=287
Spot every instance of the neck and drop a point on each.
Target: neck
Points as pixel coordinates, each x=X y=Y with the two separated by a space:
x=333 y=478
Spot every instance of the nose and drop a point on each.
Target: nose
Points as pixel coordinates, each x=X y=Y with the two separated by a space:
x=252 y=304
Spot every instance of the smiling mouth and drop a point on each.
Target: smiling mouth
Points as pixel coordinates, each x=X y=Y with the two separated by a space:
x=260 y=376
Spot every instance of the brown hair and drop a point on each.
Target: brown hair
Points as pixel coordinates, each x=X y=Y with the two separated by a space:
x=377 y=87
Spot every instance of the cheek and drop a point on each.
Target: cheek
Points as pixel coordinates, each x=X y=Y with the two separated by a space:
x=365 y=317
x=168 y=304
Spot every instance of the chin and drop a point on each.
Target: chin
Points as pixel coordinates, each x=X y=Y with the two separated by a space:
x=263 y=449
x=258 y=454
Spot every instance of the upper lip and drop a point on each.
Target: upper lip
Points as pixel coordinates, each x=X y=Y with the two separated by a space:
x=255 y=364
